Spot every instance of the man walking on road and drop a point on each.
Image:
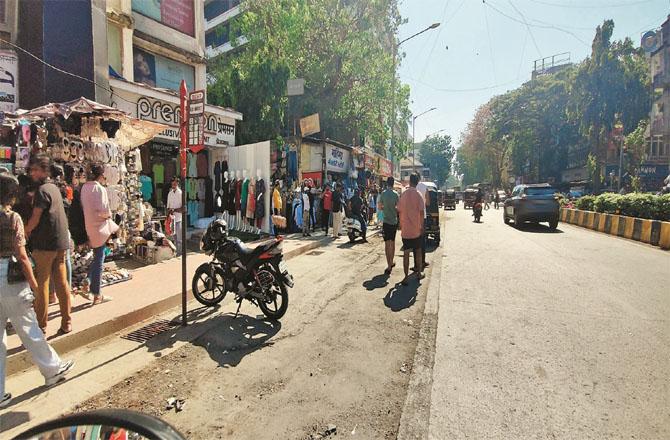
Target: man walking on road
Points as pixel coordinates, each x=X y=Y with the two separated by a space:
x=338 y=206
x=388 y=205
x=48 y=233
x=175 y=209
x=412 y=208
x=423 y=190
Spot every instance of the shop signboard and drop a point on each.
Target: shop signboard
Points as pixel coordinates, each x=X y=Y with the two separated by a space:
x=218 y=131
x=196 y=118
x=158 y=71
x=371 y=163
x=9 y=81
x=337 y=159
x=386 y=167
x=310 y=125
x=177 y=14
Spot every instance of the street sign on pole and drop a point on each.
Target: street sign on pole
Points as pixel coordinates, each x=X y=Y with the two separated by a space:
x=196 y=120
x=295 y=87
x=310 y=125
x=183 y=127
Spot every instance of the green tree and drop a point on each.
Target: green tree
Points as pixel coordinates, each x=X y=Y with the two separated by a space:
x=437 y=153
x=341 y=48
x=612 y=81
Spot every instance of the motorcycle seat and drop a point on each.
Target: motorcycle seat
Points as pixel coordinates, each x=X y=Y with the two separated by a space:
x=246 y=252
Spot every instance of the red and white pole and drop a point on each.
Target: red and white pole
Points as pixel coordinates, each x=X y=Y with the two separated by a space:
x=183 y=130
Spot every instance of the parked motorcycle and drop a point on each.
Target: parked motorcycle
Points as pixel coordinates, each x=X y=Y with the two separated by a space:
x=354 y=229
x=477 y=211
x=257 y=274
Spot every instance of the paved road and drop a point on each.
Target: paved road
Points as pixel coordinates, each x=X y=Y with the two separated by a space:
x=550 y=335
x=342 y=355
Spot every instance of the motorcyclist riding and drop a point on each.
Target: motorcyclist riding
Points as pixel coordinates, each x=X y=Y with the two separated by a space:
x=356 y=208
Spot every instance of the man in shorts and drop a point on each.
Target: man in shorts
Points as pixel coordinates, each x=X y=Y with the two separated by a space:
x=411 y=208
x=388 y=205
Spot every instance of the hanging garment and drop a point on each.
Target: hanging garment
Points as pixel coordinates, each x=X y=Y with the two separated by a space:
x=260 y=199
x=201 y=209
x=202 y=164
x=251 y=201
x=238 y=196
x=209 y=197
x=217 y=176
x=192 y=165
x=170 y=170
x=225 y=195
x=297 y=212
x=146 y=188
x=201 y=188
x=243 y=197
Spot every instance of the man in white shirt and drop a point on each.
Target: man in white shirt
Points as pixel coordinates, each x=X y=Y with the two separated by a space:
x=175 y=209
x=423 y=189
x=305 y=211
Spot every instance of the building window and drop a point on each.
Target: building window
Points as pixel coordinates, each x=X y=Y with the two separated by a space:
x=217 y=7
x=218 y=36
x=3 y=9
x=114 y=51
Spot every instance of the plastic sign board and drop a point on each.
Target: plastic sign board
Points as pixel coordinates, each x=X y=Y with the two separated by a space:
x=310 y=125
x=196 y=120
x=295 y=87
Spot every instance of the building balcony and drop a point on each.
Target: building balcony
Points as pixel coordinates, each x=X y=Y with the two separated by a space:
x=213 y=51
x=224 y=17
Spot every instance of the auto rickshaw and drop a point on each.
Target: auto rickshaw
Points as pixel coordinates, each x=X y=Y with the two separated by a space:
x=449 y=199
x=432 y=216
x=469 y=196
x=440 y=198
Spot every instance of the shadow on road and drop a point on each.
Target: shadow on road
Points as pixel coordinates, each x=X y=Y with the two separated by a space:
x=231 y=339
x=12 y=419
x=401 y=297
x=376 y=282
x=537 y=228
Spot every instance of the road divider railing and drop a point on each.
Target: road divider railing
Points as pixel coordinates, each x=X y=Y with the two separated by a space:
x=654 y=232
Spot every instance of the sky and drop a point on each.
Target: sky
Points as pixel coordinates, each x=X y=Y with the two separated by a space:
x=478 y=47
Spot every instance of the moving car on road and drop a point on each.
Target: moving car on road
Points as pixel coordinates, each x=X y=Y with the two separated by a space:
x=532 y=203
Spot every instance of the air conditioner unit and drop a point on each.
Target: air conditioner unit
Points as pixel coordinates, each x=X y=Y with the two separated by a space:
x=652 y=41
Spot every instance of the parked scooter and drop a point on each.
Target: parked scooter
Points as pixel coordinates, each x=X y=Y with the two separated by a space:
x=354 y=229
x=256 y=274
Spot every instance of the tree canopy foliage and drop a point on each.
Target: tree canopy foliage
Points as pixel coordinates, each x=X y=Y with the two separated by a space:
x=437 y=152
x=342 y=48
x=556 y=121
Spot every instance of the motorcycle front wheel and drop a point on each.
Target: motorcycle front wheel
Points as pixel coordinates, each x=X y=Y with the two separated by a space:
x=277 y=304
x=208 y=290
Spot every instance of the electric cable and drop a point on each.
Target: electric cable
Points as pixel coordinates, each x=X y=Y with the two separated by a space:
x=432 y=49
x=58 y=69
x=525 y=22
x=476 y=89
x=488 y=31
x=577 y=6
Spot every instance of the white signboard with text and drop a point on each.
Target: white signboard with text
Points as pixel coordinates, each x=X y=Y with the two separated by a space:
x=9 y=81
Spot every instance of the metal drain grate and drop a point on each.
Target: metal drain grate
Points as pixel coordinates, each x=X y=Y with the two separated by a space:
x=315 y=253
x=149 y=331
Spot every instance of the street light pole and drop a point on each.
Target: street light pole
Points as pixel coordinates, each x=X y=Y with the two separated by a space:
x=395 y=56
x=413 y=143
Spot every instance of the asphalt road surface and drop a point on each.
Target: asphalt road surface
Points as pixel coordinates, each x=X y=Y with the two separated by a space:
x=545 y=335
x=341 y=356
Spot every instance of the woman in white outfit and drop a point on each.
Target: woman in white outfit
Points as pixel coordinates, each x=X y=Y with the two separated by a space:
x=16 y=298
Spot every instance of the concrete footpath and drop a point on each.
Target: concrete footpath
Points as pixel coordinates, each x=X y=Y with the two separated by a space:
x=152 y=290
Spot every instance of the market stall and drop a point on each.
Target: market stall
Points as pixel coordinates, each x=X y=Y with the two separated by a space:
x=75 y=135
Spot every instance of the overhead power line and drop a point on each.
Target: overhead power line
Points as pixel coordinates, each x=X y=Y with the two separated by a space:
x=65 y=72
x=476 y=89
x=536 y=25
x=591 y=6
x=525 y=22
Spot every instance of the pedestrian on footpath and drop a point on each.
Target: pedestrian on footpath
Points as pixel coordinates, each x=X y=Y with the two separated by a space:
x=327 y=203
x=49 y=238
x=175 y=209
x=388 y=207
x=304 y=197
x=99 y=226
x=16 y=297
x=423 y=190
x=338 y=207
x=412 y=208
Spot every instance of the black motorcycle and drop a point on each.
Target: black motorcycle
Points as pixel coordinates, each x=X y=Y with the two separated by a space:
x=256 y=274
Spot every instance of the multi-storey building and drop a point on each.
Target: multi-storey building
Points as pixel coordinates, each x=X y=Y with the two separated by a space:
x=219 y=30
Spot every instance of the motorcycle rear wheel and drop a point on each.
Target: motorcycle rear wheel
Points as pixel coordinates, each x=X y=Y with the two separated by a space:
x=207 y=290
x=270 y=309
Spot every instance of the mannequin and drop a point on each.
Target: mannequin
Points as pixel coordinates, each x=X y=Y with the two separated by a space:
x=238 y=195
x=224 y=197
x=260 y=200
x=251 y=205
x=244 y=194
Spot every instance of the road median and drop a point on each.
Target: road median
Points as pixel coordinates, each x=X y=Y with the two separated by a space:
x=654 y=232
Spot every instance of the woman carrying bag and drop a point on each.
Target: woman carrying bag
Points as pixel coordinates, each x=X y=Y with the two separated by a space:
x=99 y=226
x=17 y=283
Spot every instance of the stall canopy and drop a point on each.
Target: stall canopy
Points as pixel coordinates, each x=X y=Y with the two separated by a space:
x=132 y=132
